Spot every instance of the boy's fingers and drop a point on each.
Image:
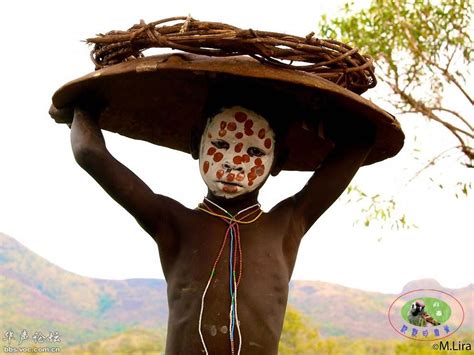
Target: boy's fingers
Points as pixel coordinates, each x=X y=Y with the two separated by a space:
x=63 y=115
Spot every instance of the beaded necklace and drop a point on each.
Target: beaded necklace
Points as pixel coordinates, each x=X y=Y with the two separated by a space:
x=235 y=253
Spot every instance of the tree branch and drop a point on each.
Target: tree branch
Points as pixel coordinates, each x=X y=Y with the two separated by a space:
x=414 y=48
x=451 y=79
x=432 y=162
x=454 y=113
x=426 y=111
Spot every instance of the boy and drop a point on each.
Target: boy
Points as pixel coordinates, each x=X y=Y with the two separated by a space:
x=227 y=264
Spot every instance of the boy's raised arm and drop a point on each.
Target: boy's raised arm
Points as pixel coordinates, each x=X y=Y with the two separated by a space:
x=352 y=144
x=88 y=145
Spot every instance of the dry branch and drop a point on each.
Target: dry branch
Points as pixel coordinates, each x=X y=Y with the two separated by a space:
x=330 y=59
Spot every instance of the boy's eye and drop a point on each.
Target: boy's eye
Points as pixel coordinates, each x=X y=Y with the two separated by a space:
x=220 y=144
x=255 y=152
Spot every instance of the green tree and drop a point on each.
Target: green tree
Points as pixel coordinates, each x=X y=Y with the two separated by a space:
x=298 y=336
x=422 y=53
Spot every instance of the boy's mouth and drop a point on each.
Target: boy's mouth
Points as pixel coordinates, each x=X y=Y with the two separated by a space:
x=229 y=183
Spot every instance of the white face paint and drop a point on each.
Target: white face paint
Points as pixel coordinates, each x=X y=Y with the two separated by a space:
x=237 y=152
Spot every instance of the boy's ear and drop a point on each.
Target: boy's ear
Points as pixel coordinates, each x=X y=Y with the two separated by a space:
x=280 y=159
x=194 y=143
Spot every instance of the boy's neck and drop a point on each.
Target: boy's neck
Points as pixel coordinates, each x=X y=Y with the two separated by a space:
x=234 y=205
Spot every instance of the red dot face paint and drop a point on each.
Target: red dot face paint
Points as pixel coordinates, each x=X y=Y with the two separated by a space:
x=232 y=126
x=219 y=174
x=248 y=132
x=268 y=143
x=240 y=116
x=241 y=130
x=252 y=175
x=205 y=167
x=211 y=151
x=238 y=147
x=237 y=160
x=218 y=157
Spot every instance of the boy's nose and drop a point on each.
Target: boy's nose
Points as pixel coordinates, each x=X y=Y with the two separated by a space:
x=230 y=166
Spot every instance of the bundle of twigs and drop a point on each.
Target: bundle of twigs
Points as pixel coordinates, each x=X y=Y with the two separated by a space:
x=330 y=59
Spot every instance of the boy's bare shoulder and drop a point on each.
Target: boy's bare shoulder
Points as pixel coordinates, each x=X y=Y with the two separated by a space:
x=284 y=215
x=172 y=212
x=169 y=214
x=284 y=207
x=169 y=204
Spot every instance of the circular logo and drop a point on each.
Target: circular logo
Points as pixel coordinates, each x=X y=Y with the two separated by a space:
x=426 y=314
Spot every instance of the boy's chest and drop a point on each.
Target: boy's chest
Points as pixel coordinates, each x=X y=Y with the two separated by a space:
x=254 y=253
x=253 y=245
x=214 y=262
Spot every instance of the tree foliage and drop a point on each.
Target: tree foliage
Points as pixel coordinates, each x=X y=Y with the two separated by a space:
x=423 y=51
x=374 y=208
x=298 y=336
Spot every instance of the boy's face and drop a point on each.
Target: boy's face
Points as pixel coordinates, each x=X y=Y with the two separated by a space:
x=236 y=153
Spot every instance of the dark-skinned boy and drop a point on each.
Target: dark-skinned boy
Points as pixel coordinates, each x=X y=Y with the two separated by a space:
x=189 y=239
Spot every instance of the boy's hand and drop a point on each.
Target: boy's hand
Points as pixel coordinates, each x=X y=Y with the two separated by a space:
x=92 y=105
x=63 y=115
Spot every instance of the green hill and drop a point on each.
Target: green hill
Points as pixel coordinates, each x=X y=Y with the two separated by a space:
x=128 y=342
x=37 y=295
x=337 y=310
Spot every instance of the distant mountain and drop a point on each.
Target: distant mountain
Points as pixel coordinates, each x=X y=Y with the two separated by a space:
x=338 y=310
x=38 y=295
